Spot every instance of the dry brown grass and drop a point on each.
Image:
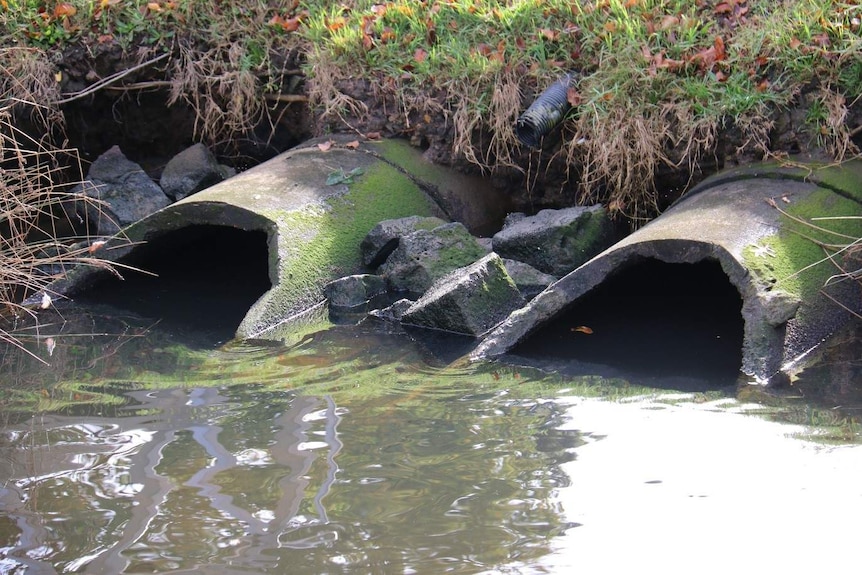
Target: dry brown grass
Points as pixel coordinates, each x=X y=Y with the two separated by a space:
x=37 y=222
x=834 y=131
x=323 y=92
x=226 y=98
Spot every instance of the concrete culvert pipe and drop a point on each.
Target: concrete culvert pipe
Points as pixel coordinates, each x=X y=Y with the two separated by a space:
x=757 y=223
x=544 y=113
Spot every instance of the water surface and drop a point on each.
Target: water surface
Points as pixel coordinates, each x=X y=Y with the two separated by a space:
x=355 y=450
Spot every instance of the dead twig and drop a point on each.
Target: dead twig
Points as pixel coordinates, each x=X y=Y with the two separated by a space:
x=105 y=82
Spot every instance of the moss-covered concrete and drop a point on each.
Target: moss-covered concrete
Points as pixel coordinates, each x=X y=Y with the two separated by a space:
x=315 y=203
x=758 y=222
x=321 y=242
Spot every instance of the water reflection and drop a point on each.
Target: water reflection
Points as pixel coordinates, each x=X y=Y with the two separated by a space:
x=257 y=477
x=350 y=452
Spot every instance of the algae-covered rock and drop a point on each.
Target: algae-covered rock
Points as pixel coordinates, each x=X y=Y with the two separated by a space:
x=530 y=281
x=555 y=241
x=424 y=256
x=383 y=238
x=469 y=300
x=354 y=290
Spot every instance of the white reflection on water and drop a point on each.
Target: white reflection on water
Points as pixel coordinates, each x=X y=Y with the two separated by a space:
x=691 y=488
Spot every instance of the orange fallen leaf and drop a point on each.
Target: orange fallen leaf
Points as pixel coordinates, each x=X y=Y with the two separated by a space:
x=668 y=22
x=352 y=145
x=420 y=55
x=583 y=329
x=64 y=9
x=96 y=246
x=373 y=135
x=325 y=146
x=573 y=97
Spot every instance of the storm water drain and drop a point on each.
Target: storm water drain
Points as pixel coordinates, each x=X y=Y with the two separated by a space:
x=207 y=278
x=651 y=318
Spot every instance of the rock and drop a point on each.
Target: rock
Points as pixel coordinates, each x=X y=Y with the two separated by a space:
x=555 y=241
x=779 y=307
x=190 y=171
x=424 y=256
x=470 y=300
x=383 y=238
x=353 y=291
x=530 y=281
x=394 y=312
x=127 y=194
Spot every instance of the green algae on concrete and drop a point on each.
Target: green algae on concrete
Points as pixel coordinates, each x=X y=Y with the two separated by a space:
x=749 y=221
x=314 y=222
x=331 y=234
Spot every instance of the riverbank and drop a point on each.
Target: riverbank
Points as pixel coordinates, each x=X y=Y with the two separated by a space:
x=668 y=92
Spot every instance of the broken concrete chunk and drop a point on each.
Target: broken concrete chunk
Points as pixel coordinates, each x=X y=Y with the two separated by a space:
x=190 y=171
x=383 y=238
x=470 y=300
x=779 y=307
x=353 y=291
x=425 y=256
x=126 y=192
x=530 y=281
x=556 y=241
x=393 y=312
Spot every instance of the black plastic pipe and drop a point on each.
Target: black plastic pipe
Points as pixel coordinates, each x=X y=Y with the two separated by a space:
x=544 y=113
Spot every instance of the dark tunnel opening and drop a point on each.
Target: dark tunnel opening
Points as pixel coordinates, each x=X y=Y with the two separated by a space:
x=650 y=319
x=208 y=277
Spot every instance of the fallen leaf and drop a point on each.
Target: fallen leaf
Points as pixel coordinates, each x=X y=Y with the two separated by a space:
x=373 y=135
x=46 y=301
x=325 y=146
x=785 y=199
x=573 y=97
x=583 y=329
x=420 y=55
x=50 y=344
x=352 y=145
x=668 y=22
x=548 y=34
x=720 y=53
x=64 y=9
x=96 y=246
x=154 y=6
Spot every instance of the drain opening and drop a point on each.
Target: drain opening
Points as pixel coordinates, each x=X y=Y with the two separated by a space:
x=650 y=318
x=208 y=277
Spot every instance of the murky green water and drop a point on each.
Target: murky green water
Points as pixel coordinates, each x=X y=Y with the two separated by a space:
x=358 y=451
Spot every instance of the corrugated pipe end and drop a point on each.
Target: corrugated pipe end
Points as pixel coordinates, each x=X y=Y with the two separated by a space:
x=548 y=110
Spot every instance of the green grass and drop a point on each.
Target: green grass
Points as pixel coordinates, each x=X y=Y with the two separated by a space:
x=683 y=68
